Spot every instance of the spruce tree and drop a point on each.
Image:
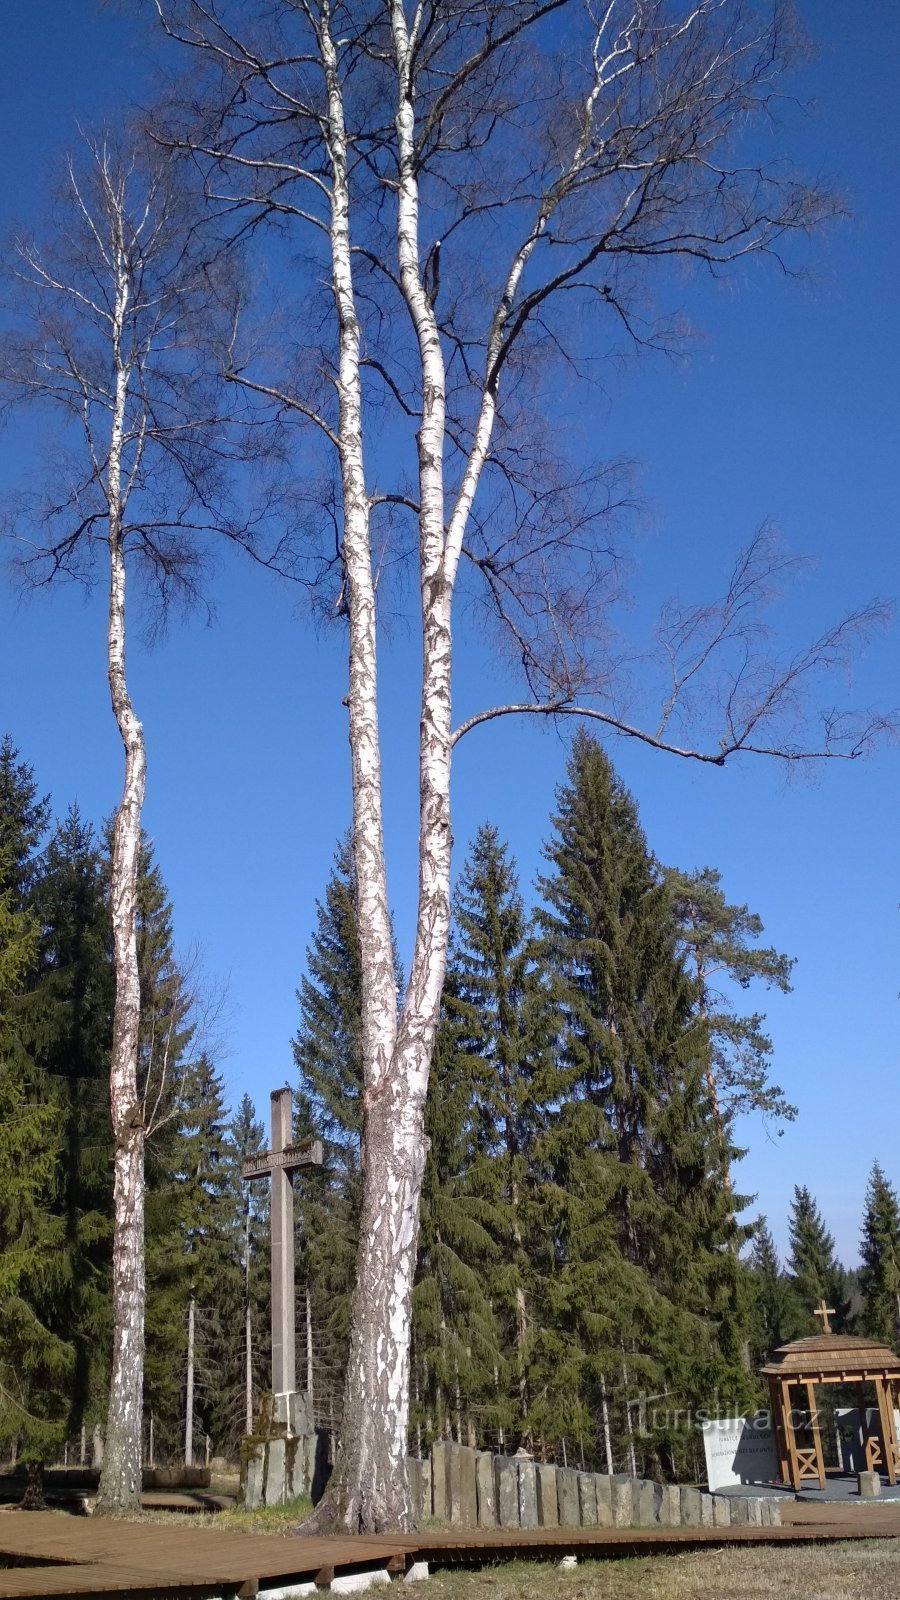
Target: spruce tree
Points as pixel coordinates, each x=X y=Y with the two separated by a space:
x=35 y=1362
x=775 y=1311
x=637 y=1054
x=247 y=1342
x=69 y=1030
x=880 y=1254
x=484 y=1220
x=815 y=1271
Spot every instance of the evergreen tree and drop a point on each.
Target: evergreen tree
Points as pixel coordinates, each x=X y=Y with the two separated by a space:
x=243 y=1383
x=24 y=819
x=35 y=1362
x=815 y=1271
x=68 y=1030
x=479 y=1295
x=638 y=1054
x=774 y=1306
x=880 y=1253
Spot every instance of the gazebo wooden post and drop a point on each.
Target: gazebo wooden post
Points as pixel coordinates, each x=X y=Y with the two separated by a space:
x=779 y=1429
x=816 y=1433
x=888 y=1435
x=779 y=1424
x=790 y=1437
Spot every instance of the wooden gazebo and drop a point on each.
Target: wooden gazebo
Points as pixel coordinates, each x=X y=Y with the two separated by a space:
x=828 y=1358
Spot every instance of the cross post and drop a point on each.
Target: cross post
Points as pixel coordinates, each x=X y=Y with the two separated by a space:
x=824 y=1312
x=278 y=1164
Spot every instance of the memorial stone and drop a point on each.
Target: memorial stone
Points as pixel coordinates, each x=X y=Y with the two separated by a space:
x=690 y=1507
x=647 y=1500
x=506 y=1477
x=468 y=1493
x=440 y=1499
x=721 y=1510
x=587 y=1499
x=603 y=1487
x=622 y=1502
x=567 y=1494
x=486 y=1491
x=528 y=1514
x=670 y=1505
x=547 y=1499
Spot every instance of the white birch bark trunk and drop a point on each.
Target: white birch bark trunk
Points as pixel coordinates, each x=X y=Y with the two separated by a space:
x=120 y=1480
x=369 y=1489
x=189 y=1391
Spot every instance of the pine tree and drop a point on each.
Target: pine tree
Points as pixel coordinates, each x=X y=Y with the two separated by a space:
x=880 y=1254
x=815 y=1271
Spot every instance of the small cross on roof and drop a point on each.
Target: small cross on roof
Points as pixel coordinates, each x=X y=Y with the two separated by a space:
x=824 y=1311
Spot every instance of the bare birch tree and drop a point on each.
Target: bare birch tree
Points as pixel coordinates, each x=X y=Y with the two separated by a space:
x=481 y=199
x=108 y=319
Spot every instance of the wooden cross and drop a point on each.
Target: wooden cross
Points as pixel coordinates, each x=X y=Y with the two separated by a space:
x=284 y=1158
x=824 y=1311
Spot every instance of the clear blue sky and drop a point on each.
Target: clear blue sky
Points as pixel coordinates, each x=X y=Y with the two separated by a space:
x=788 y=407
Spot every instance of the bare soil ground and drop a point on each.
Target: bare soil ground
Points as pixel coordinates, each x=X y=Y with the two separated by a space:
x=863 y=1570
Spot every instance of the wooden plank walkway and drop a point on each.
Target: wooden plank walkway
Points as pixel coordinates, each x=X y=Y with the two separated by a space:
x=87 y=1557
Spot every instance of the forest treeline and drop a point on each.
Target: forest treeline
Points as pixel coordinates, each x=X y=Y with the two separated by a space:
x=583 y=1244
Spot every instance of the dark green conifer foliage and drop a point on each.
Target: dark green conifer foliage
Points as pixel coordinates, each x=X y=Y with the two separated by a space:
x=775 y=1311
x=815 y=1271
x=880 y=1254
x=483 y=1242
x=249 y=1204
x=24 y=819
x=35 y=1362
x=458 y=1389
x=67 y=1027
x=638 y=1054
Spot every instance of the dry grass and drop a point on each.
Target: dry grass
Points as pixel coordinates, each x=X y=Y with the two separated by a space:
x=863 y=1570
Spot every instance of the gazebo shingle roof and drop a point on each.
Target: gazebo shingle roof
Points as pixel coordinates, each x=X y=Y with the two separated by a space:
x=831 y=1355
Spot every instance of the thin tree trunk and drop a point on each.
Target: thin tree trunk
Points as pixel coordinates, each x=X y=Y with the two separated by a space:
x=607 y=1436
x=248 y=1369
x=309 y=1355
x=120 y=1481
x=189 y=1391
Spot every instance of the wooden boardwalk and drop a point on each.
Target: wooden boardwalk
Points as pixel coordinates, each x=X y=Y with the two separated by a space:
x=48 y=1553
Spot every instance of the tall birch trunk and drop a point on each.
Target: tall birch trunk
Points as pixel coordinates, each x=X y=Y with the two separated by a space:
x=120 y=1479
x=369 y=1490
